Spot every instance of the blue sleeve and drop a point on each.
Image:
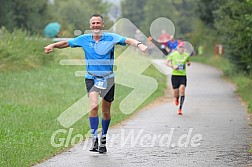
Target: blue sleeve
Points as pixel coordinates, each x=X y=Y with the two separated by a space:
x=168 y=44
x=176 y=44
x=119 y=40
x=122 y=41
x=76 y=42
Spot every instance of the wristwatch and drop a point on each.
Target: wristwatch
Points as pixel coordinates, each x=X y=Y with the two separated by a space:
x=138 y=43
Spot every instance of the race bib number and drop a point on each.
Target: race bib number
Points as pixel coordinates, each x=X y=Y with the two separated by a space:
x=100 y=83
x=181 y=67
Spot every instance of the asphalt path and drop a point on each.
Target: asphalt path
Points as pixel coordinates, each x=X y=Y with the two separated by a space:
x=213 y=130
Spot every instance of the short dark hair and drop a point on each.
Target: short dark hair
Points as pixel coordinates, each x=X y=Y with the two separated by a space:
x=97 y=15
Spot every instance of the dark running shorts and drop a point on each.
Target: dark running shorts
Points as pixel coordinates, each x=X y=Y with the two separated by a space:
x=177 y=81
x=106 y=94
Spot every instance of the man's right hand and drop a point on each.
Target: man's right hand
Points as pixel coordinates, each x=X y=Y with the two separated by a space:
x=175 y=67
x=49 y=48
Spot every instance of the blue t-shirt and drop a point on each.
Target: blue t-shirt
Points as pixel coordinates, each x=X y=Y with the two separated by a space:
x=99 y=56
x=172 y=45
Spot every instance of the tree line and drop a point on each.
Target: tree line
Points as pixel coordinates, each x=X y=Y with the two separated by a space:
x=33 y=16
x=202 y=22
x=231 y=22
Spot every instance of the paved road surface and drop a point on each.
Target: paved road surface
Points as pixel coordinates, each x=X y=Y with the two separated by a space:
x=214 y=131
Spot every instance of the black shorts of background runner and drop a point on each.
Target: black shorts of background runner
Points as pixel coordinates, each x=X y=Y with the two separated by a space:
x=106 y=94
x=178 y=80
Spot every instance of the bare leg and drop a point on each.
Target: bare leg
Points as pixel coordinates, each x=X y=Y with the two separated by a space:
x=176 y=96
x=106 y=109
x=182 y=90
x=93 y=98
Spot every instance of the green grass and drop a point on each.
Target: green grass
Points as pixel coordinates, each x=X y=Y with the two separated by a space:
x=31 y=100
x=19 y=51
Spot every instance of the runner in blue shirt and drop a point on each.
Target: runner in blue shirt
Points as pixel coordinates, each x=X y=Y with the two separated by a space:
x=171 y=45
x=99 y=55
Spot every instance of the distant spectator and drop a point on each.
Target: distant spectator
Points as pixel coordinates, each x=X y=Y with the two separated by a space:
x=163 y=39
x=200 y=50
x=171 y=45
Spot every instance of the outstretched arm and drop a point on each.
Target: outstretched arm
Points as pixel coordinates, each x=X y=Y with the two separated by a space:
x=137 y=44
x=60 y=45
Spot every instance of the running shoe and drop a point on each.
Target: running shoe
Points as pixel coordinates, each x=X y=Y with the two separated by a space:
x=102 y=148
x=180 y=112
x=94 y=146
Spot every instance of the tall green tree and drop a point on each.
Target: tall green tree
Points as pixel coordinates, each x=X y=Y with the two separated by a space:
x=156 y=9
x=234 y=24
x=26 y=14
x=205 y=10
x=7 y=14
x=75 y=14
x=185 y=16
x=143 y=12
x=134 y=11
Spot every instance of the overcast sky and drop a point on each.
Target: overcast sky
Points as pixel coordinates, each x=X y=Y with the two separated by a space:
x=116 y=2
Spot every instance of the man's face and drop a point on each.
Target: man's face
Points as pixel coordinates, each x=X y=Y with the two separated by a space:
x=181 y=49
x=96 y=24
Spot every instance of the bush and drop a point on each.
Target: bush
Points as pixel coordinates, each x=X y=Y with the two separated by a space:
x=18 y=51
